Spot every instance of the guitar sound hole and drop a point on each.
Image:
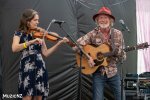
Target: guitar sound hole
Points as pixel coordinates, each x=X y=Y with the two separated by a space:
x=100 y=56
x=98 y=62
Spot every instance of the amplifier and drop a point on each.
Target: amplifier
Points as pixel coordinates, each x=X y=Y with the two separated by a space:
x=144 y=85
x=130 y=83
x=132 y=95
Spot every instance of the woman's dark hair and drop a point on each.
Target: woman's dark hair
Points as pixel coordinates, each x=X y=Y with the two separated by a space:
x=28 y=15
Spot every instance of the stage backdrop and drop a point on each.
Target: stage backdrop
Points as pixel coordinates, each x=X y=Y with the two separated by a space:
x=65 y=80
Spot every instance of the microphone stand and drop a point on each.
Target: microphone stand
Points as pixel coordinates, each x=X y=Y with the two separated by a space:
x=49 y=25
x=80 y=64
x=121 y=72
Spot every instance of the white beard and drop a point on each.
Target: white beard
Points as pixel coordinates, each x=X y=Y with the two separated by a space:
x=104 y=26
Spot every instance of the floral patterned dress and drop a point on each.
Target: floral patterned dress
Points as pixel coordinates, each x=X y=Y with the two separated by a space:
x=33 y=76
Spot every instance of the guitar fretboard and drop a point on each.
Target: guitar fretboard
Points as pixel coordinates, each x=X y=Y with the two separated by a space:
x=140 y=46
x=130 y=48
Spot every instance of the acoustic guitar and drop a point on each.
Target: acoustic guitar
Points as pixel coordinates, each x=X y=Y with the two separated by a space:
x=100 y=56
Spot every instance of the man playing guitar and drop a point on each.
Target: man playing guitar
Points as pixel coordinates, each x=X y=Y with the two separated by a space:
x=107 y=40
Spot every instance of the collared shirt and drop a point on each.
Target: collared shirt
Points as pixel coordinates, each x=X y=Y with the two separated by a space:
x=95 y=37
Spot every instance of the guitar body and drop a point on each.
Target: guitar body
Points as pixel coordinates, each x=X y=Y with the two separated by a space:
x=100 y=56
x=97 y=54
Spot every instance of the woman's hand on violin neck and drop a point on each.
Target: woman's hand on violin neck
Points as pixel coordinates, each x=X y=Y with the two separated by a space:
x=64 y=40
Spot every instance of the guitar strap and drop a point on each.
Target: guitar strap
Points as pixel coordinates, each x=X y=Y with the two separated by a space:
x=112 y=40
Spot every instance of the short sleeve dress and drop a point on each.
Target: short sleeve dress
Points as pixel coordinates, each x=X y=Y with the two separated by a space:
x=33 y=76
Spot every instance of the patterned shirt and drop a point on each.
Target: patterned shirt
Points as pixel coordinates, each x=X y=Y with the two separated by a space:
x=96 y=38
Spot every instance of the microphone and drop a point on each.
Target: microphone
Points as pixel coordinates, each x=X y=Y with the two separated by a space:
x=58 y=21
x=124 y=25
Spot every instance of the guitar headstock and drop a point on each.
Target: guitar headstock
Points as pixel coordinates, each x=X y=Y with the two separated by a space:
x=142 y=45
x=139 y=46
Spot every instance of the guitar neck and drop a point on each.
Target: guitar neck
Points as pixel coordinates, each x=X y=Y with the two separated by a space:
x=139 y=46
x=130 y=48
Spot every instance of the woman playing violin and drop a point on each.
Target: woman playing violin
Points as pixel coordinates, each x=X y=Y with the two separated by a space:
x=33 y=76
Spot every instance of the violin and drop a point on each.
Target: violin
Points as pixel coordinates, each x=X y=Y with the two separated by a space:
x=51 y=36
x=41 y=33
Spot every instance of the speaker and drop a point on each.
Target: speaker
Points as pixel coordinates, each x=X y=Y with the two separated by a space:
x=132 y=95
